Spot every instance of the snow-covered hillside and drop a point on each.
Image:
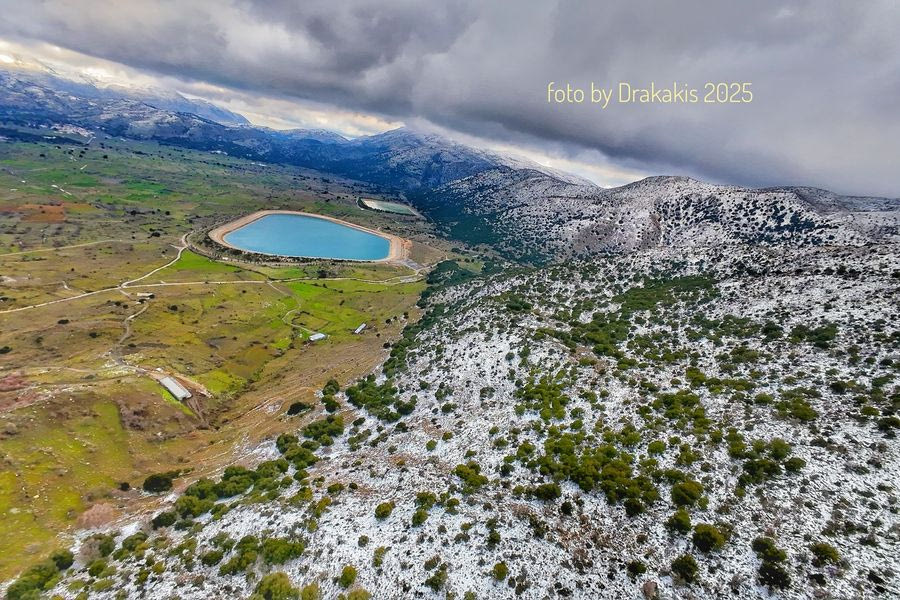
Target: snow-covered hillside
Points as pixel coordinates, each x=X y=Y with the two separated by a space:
x=530 y=214
x=687 y=423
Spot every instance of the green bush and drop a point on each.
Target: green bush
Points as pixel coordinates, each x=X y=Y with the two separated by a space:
x=824 y=553
x=191 y=506
x=97 y=567
x=213 y=557
x=766 y=550
x=164 y=519
x=656 y=447
x=636 y=568
x=794 y=464
x=547 y=491
x=381 y=400
x=275 y=586
x=708 y=537
x=32 y=582
x=297 y=407
x=276 y=551
x=685 y=567
x=384 y=510
x=330 y=427
x=680 y=521
x=470 y=473
x=686 y=493
x=347 y=577
x=419 y=516
x=633 y=506
x=311 y=592
x=63 y=559
x=774 y=575
x=246 y=552
x=158 y=482
x=378 y=556
x=500 y=571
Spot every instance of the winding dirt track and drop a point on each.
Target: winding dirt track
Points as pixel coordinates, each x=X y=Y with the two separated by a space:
x=131 y=284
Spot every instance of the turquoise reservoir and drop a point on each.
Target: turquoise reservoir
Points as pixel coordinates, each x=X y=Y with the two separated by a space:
x=305 y=236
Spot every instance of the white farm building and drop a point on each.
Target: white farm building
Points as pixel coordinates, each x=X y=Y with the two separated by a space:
x=176 y=389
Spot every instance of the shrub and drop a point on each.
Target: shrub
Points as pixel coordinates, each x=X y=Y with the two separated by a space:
x=547 y=491
x=191 y=506
x=685 y=567
x=657 y=447
x=633 y=507
x=378 y=556
x=213 y=557
x=824 y=553
x=32 y=582
x=348 y=576
x=774 y=575
x=358 y=594
x=275 y=586
x=311 y=592
x=382 y=400
x=470 y=473
x=794 y=464
x=103 y=542
x=246 y=553
x=779 y=449
x=63 y=559
x=158 y=482
x=384 y=510
x=680 y=521
x=164 y=519
x=686 y=493
x=204 y=489
x=708 y=537
x=297 y=407
x=766 y=550
x=278 y=551
x=500 y=571
x=97 y=567
x=437 y=580
x=324 y=429
x=636 y=568
x=419 y=516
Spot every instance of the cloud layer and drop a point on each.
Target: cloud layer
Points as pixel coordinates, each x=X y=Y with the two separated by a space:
x=825 y=80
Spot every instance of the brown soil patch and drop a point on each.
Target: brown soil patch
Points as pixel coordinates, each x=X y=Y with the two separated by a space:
x=42 y=213
x=98 y=515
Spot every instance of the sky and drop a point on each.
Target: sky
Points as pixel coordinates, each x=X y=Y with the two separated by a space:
x=824 y=76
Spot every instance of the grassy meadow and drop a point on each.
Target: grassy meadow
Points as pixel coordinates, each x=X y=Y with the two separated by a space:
x=80 y=413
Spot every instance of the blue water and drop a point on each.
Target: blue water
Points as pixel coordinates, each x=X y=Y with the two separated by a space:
x=299 y=235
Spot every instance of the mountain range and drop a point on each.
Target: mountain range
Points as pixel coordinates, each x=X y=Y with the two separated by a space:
x=524 y=210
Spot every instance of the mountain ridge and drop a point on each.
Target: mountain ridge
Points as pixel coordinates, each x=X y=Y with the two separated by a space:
x=524 y=210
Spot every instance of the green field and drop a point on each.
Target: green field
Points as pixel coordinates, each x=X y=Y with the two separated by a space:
x=79 y=410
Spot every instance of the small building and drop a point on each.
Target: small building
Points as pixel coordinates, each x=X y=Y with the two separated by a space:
x=176 y=389
x=360 y=328
x=317 y=336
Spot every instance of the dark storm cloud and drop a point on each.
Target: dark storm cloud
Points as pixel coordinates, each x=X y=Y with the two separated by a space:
x=825 y=75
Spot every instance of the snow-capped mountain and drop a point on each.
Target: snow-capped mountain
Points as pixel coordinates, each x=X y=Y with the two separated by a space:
x=44 y=83
x=528 y=213
x=520 y=208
